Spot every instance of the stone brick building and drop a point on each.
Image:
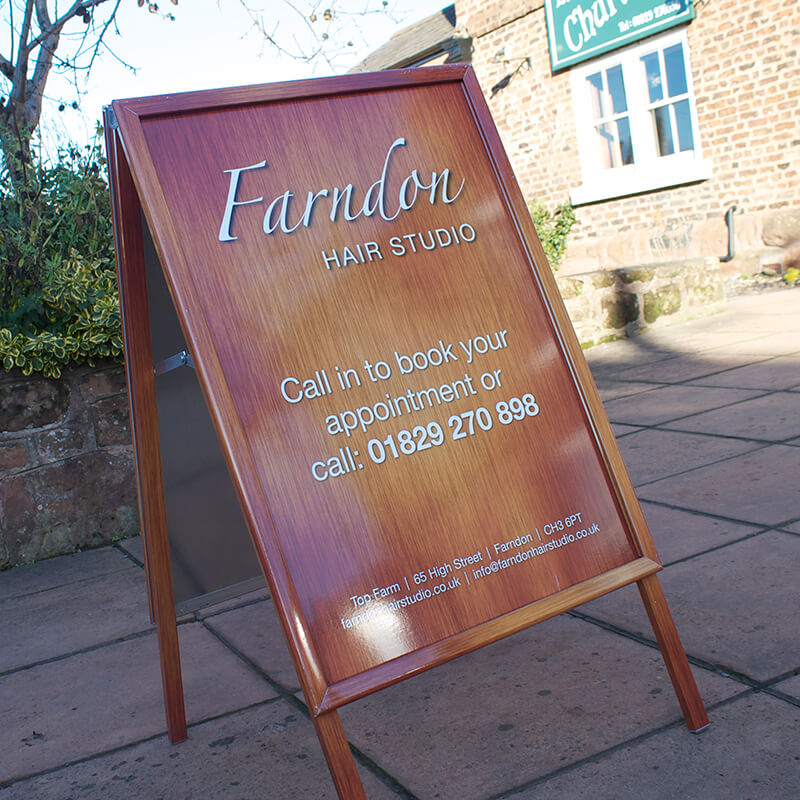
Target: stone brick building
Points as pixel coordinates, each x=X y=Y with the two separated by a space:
x=652 y=140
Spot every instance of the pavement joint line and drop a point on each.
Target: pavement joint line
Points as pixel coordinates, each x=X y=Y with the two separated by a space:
x=659 y=426
x=118 y=546
x=286 y=694
x=699 y=466
x=276 y=686
x=689 y=382
x=700 y=663
x=784 y=676
x=381 y=774
x=779 y=695
x=201 y=616
x=680 y=418
x=717 y=547
x=709 y=514
x=80 y=651
x=4 y=784
x=765 y=442
x=87 y=579
x=599 y=756
x=625 y=364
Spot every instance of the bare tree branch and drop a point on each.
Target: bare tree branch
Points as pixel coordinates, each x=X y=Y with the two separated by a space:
x=35 y=45
x=327 y=26
x=6 y=67
x=43 y=14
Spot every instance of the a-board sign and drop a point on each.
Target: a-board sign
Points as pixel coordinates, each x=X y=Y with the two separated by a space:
x=417 y=444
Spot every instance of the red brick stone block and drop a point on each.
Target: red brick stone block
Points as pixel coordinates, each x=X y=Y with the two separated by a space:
x=106 y=382
x=13 y=457
x=32 y=404
x=111 y=420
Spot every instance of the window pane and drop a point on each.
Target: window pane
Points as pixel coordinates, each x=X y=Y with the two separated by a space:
x=625 y=141
x=594 y=83
x=616 y=89
x=652 y=72
x=683 y=122
x=663 y=131
x=605 y=146
x=676 y=71
x=614 y=144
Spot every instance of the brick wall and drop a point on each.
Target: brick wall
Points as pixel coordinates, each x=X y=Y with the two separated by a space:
x=746 y=71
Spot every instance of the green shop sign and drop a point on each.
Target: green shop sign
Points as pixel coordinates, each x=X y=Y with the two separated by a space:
x=581 y=29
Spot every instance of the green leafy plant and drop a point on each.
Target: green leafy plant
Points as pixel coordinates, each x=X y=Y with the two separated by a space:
x=58 y=299
x=552 y=228
x=75 y=318
x=792 y=276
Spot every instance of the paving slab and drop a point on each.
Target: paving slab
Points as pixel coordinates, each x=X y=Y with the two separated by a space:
x=232 y=603
x=681 y=534
x=611 y=390
x=707 y=341
x=653 y=454
x=766 y=346
x=133 y=547
x=518 y=709
x=627 y=351
x=735 y=607
x=683 y=367
x=757 y=487
x=87 y=704
x=771 y=311
x=72 y=617
x=254 y=630
x=269 y=752
x=773 y=417
x=621 y=430
x=790 y=687
x=60 y=571
x=749 y=753
x=793 y=528
x=673 y=402
x=774 y=374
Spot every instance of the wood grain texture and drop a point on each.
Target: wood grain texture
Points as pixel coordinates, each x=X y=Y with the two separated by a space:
x=144 y=425
x=674 y=655
x=336 y=750
x=455 y=545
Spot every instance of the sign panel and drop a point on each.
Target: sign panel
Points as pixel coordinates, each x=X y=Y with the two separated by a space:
x=578 y=30
x=416 y=441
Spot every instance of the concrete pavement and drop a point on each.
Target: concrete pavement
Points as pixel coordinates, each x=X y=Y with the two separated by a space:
x=708 y=420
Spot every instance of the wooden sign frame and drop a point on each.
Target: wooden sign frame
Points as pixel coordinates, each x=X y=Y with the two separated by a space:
x=353 y=521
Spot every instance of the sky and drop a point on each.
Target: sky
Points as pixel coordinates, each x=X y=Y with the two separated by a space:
x=210 y=44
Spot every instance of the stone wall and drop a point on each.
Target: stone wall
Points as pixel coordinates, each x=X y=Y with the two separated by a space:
x=612 y=304
x=67 y=478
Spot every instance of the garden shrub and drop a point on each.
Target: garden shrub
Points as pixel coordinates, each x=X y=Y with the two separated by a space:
x=552 y=228
x=58 y=300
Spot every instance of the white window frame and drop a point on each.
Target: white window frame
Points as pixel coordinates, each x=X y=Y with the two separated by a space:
x=649 y=171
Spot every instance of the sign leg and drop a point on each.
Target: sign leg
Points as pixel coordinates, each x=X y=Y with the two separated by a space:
x=144 y=420
x=680 y=674
x=340 y=760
